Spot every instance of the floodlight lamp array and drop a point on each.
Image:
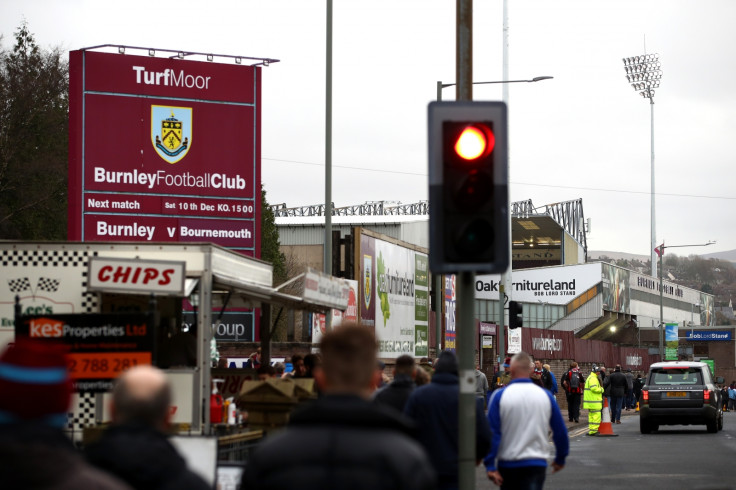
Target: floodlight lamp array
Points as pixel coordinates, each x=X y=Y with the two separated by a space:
x=643 y=73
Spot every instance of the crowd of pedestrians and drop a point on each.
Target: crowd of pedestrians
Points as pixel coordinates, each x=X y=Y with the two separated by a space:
x=728 y=397
x=342 y=439
x=364 y=429
x=514 y=413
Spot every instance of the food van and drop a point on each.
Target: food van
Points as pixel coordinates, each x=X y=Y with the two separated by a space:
x=116 y=301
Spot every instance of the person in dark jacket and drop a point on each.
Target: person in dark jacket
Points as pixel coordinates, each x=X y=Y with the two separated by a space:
x=396 y=393
x=434 y=408
x=603 y=377
x=135 y=448
x=573 y=383
x=618 y=387
x=35 y=395
x=724 y=398
x=342 y=440
x=543 y=376
x=630 y=402
x=638 y=385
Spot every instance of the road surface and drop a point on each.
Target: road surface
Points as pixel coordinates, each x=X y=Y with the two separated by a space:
x=676 y=457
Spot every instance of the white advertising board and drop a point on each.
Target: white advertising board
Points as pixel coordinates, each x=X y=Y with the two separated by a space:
x=553 y=285
x=319 y=321
x=327 y=290
x=650 y=284
x=514 y=341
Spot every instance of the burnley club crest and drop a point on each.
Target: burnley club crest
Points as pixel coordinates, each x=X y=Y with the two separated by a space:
x=171 y=131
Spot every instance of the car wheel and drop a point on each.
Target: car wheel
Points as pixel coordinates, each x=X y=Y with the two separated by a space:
x=720 y=421
x=712 y=426
x=644 y=426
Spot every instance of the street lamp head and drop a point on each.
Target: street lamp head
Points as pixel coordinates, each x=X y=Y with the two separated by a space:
x=537 y=79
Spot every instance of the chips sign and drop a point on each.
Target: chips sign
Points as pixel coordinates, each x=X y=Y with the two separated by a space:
x=101 y=345
x=164 y=150
x=136 y=276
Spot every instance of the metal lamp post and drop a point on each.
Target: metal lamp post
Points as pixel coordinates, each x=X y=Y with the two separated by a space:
x=660 y=252
x=644 y=73
x=692 y=313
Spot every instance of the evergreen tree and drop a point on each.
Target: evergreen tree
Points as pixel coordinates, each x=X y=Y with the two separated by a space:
x=270 y=245
x=34 y=126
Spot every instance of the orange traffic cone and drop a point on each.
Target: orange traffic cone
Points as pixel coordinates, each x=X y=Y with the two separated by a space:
x=606 y=429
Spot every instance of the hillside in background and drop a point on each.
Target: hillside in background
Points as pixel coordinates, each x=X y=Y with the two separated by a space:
x=597 y=255
x=729 y=255
x=711 y=273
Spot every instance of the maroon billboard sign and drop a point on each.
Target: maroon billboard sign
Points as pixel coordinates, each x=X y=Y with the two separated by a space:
x=164 y=150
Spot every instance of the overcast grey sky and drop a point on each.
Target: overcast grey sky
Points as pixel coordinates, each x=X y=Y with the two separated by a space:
x=584 y=134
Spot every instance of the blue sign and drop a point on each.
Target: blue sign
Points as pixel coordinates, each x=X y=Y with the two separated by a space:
x=708 y=335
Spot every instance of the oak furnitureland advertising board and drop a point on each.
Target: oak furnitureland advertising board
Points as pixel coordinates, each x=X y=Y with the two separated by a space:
x=394 y=295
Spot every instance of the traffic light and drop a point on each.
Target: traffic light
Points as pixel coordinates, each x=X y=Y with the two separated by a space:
x=516 y=318
x=468 y=187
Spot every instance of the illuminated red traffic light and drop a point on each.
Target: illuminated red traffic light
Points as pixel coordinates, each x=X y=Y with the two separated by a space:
x=475 y=141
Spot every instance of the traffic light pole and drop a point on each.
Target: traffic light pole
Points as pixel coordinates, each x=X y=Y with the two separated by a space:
x=327 y=267
x=500 y=334
x=465 y=284
x=466 y=356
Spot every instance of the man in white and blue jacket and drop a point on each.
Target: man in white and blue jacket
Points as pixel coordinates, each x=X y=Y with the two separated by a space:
x=520 y=415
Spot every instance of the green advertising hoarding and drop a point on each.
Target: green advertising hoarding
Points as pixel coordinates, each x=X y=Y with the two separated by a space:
x=671 y=341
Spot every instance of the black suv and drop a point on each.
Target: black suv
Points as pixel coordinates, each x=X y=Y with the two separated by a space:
x=680 y=393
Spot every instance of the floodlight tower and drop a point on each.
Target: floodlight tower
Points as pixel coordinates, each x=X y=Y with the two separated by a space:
x=644 y=73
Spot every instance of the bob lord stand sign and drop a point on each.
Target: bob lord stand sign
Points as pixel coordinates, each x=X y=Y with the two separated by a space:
x=164 y=150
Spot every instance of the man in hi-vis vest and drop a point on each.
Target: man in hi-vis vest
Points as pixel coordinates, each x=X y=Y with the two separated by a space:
x=593 y=401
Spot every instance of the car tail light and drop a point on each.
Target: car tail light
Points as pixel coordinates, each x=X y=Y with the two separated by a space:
x=645 y=395
x=706 y=395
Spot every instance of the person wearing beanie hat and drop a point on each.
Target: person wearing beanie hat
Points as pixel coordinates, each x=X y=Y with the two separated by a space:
x=31 y=371
x=447 y=363
x=434 y=409
x=35 y=395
